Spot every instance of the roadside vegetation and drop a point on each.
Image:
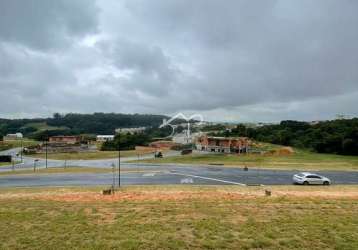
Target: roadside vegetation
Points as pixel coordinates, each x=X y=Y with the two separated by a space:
x=171 y=217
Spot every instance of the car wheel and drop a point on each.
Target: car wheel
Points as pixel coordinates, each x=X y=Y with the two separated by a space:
x=305 y=183
x=326 y=183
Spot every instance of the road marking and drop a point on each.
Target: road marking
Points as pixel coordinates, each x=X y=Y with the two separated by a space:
x=148 y=175
x=186 y=180
x=211 y=179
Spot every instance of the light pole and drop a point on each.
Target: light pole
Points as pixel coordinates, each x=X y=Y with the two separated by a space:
x=113 y=176
x=22 y=148
x=119 y=160
x=46 y=146
x=35 y=161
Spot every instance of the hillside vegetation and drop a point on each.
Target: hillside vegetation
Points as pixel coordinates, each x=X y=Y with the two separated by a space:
x=74 y=124
x=337 y=136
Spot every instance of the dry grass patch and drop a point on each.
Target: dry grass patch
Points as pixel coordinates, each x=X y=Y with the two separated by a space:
x=179 y=217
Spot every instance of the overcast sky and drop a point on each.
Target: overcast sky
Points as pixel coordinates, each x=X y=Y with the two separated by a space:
x=227 y=60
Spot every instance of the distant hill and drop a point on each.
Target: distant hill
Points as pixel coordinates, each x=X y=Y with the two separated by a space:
x=68 y=124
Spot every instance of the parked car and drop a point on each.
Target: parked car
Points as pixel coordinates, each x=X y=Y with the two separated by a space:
x=158 y=155
x=306 y=178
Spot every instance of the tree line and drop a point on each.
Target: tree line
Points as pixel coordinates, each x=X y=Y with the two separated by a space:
x=75 y=124
x=336 y=136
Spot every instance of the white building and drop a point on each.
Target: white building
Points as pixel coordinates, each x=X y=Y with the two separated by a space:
x=12 y=137
x=185 y=137
x=182 y=138
x=104 y=138
x=130 y=130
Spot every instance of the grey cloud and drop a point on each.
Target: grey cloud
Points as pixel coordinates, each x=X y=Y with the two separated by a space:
x=246 y=60
x=151 y=71
x=43 y=24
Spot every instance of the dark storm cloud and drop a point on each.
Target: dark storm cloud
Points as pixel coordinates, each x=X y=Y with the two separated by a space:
x=251 y=60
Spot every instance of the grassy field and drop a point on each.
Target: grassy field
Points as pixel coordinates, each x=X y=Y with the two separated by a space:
x=58 y=170
x=8 y=163
x=91 y=155
x=4 y=163
x=172 y=217
x=303 y=160
x=4 y=145
x=71 y=169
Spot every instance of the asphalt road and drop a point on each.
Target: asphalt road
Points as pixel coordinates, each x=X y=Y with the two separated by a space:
x=167 y=174
x=149 y=174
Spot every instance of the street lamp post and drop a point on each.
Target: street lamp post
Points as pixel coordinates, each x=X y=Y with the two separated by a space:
x=22 y=148
x=46 y=146
x=113 y=176
x=35 y=161
x=119 y=160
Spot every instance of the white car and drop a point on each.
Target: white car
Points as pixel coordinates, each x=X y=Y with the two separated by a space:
x=307 y=178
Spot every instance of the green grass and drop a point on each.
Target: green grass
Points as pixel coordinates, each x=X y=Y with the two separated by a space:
x=5 y=145
x=301 y=159
x=197 y=222
x=58 y=170
x=89 y=155
x=69 y=169
x=5 y=163
x=8 y=163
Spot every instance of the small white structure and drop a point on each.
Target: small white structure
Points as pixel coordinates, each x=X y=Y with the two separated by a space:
x=104 y=138
x=12 y=137
x=183 y=138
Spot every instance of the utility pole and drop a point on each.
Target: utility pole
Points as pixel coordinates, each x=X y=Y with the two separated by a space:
x=119 y=160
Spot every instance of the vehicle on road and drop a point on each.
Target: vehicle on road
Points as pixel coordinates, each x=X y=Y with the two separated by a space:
x=158 y=155
x=306 y=178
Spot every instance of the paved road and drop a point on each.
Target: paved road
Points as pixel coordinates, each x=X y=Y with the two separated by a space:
x=157 y=174
x=167 y=174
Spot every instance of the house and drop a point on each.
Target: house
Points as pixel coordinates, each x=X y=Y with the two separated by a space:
x=13 y=137
x=104 y=138
x=130 y=130
x=66 y=139
x=236 y=145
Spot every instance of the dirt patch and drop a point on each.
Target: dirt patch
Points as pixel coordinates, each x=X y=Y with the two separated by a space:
x=284 y=151
x=323 y=194
x=144 y=150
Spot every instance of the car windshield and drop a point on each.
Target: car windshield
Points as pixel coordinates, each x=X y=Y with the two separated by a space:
x=301 y=175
